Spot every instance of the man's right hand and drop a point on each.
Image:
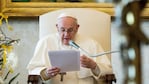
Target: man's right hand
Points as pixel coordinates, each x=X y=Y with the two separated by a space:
x=51 y=72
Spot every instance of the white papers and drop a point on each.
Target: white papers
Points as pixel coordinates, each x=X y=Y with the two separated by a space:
x=66 y=60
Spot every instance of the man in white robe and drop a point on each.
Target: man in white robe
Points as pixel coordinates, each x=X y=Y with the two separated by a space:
x=92 y=70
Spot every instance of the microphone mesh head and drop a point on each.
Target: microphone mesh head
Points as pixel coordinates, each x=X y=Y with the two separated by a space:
x=73 y=44
x=70 y=42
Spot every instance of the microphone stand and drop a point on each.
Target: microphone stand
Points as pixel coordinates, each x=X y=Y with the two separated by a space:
x=73 y=44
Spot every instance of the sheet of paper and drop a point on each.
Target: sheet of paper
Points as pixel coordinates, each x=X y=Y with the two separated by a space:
x=66 y=60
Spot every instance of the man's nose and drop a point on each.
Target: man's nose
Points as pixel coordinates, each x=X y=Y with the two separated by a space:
x=66 y=33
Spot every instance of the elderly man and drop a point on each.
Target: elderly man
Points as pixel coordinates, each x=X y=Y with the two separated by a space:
x=92 y=70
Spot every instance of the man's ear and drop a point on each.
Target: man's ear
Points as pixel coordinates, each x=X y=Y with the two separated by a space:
x=78 y=27
x=56 y=26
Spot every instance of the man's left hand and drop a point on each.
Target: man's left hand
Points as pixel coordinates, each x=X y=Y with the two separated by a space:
x=87 y=62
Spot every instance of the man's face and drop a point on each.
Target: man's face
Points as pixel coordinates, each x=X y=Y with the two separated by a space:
x=67 y=28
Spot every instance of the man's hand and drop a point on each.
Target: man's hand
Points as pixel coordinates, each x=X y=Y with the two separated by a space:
x=87 y=62
x=51 y=72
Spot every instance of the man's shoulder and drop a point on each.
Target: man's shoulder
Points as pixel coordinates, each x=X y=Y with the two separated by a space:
x=84 y=38
x=49 y=36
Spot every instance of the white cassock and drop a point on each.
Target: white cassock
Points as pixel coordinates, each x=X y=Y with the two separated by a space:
x=40 y=60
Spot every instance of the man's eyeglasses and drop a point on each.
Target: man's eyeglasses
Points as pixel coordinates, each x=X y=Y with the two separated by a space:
x=62 y=30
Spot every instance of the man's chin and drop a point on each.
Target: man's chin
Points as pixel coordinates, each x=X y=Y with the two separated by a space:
x=66 y=43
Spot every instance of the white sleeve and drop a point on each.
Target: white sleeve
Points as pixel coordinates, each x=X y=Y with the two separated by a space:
x=103 y=62
x=40 y=58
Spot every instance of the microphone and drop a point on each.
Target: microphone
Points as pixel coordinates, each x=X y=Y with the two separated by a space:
x=73 y=44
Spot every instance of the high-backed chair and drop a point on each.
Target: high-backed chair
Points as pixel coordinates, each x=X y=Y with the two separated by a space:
x=92 y=23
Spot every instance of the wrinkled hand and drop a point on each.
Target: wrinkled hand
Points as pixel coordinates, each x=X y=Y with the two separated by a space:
x=51 y=72
x=87 y=62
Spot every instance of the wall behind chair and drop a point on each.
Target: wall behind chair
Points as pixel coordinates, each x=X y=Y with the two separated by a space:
x=27 y=29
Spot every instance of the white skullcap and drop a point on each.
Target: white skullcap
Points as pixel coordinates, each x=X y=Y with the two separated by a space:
x=66 y=15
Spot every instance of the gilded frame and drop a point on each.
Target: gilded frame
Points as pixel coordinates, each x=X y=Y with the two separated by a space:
x=37 y=8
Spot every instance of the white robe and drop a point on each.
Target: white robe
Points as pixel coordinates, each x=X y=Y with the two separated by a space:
x=41 y=60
